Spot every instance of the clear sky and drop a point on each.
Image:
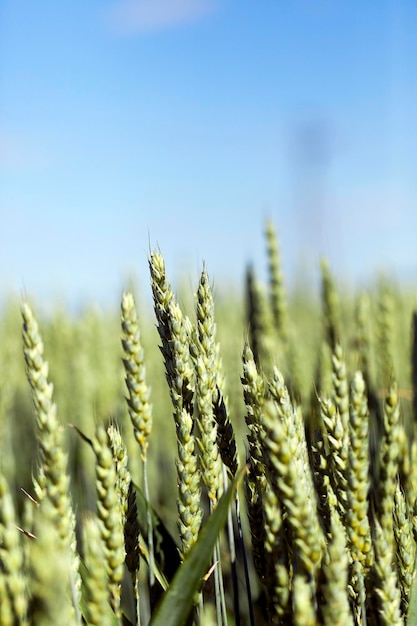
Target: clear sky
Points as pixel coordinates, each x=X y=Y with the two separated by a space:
x=185 y=123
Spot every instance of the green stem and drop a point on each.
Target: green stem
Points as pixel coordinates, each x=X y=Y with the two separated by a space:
x=245 y=562
x=149 y=524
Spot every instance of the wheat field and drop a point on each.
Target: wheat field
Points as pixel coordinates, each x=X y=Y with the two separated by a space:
x=219 y=459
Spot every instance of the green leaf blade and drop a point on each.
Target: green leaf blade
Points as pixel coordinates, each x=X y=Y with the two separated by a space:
x=177 y=601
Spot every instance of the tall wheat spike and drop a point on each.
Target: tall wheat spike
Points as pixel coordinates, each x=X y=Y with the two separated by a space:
x=110 y=516
x=385 y=585
x=50 y=576
x=53 y=482
x=205 y=367
x=334 y=608
x=138 y=400
x=253 y=391
x=357 y=515
x=140 y=412
x=389 y=461
x=331 y=310
x=276 y=283
x=13 y=592
x=259 y=321
x=337 y=455
x=174 y=331
x=385 y=336
x=286 y=468
x=406 y=548
x=98 y=610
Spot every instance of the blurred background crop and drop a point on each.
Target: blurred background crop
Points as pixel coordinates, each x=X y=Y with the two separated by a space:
x=128 y=124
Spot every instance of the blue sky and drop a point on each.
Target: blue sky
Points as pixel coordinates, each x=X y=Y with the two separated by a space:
x=186 y=123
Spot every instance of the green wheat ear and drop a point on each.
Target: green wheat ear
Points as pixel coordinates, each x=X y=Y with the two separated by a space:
x=386 y=589
x=291 y=478
x=357 y=514
x=406 y=547
x=276 y=283
x=50 y=572
x=335 y=608
x=53 y=481
x=98 y=611
x=174 y=331
x=255 y=484
x=13 y=593
x=138 y=400
x=389 y=461
x=110 y=515
x=385 y=335
x=204 y=356
x=140 y=412
x=331 y=307
x=259 y=321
